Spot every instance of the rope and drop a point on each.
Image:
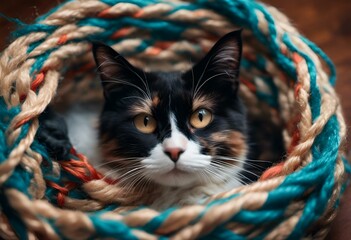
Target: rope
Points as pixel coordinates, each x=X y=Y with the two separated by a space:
x=283 y=75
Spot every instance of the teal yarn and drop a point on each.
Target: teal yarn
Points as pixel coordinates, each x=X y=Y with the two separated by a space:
x=313 y=186
x=315 y=101
x=19 y=179
x=329 y=62
x=222 y=233
x=13 y=217
x=113 y=229
x=140 y=3
x=156 y=222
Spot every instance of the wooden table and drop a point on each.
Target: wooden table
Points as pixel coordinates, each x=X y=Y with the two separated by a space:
x=327 y=23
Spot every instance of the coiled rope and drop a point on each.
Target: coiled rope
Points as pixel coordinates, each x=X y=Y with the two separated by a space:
x=53 y=199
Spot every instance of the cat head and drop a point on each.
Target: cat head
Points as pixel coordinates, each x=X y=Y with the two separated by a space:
x=174 y=128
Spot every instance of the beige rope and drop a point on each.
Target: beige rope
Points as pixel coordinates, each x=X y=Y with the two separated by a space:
x=16 y=83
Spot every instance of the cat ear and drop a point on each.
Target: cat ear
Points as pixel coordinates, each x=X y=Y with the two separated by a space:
x=222 y=62
x=114 y=70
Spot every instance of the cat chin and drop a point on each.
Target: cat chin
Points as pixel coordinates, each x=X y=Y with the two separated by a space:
x=174 y=178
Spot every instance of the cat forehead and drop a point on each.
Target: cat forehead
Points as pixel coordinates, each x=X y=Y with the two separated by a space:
x=165 y=103
x=161 y=102
x=169 y=91
x=165 y=81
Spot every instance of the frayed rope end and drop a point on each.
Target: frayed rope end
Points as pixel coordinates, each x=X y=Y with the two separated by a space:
x=16 y=21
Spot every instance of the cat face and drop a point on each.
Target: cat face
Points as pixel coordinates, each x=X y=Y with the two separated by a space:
x=174 y=128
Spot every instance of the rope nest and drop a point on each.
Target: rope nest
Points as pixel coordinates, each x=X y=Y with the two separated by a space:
x=281 y=70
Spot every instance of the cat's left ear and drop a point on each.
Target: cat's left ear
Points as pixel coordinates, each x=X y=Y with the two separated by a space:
x=116 y=73
x=222 y=62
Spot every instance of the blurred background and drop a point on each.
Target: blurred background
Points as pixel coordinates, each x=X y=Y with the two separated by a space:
x=327 y=23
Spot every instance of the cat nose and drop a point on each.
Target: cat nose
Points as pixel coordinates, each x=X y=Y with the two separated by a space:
x=173 y=153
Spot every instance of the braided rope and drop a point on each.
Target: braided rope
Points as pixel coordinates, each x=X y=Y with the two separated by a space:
x=280 y=69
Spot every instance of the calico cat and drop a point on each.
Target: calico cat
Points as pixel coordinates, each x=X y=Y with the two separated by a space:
x=183 y=133
x=171 y=138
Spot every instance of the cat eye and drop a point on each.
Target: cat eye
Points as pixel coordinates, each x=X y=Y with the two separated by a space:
x=145 y=123
x=200 y=118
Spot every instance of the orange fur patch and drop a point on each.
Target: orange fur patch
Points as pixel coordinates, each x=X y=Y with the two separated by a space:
x=203 y=102
x=234 y=140
x=142 y=107
x=110 y=155
x=155 y=100
x=141 y=191
x=108 y=148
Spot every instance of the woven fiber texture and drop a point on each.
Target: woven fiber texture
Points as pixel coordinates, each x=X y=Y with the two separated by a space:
x=281 y=70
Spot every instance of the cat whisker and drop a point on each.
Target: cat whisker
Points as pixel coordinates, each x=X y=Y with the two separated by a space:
x=224 y=174
x=220 y=175
x=258 y=168
x=142 y=80
x=143 y=184
x=253 y=162
x=134 y=183
x=109 y=62
x=202 y=74
x=205 y=176
x=237 y=159
x=129 y=180
x=117 y=160
x=122 y=177
x=119 y=81
x=241 y=181
x=208 y=79
x=248 y=180
x=224 y=170
x=244 y=162
x=147 y=85
x=131 y=172
x=136 y=97
x=222 y=165
x=192 y=75
x=207 y=173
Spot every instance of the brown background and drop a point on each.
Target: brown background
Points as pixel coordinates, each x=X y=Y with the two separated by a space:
x=325 y=22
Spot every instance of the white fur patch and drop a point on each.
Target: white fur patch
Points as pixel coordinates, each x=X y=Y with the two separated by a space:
x=192 y=168
x=183 y=187
x=82 y=121
x=191 y=179
x=161 y=169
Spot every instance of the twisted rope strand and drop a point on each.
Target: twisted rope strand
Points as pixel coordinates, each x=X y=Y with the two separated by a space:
x=154 y=33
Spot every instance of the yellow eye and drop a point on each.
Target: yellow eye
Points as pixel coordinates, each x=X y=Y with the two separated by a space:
x=200 y=118
x=145 y=123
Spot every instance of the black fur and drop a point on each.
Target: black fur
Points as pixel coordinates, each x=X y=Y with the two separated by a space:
x=175 y=91
x=53 y=133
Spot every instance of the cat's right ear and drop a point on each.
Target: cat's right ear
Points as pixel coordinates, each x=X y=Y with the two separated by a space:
x=112 y=68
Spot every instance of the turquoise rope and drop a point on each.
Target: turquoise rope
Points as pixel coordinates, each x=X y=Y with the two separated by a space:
x=20 y=178
x=108 y=228
x=223 y=233
x=240 y=12
x=316 y=49
x=157 y=221
x=318 y=174
x=314 y=101
x=13 y=217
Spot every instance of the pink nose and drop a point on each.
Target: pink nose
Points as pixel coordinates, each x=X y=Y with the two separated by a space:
x=173 y=153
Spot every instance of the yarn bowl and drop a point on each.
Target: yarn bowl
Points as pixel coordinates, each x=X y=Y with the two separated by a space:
x=283 y=75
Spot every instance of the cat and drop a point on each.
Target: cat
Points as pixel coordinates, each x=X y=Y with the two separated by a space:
x=170 y=138
x=183 y=133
